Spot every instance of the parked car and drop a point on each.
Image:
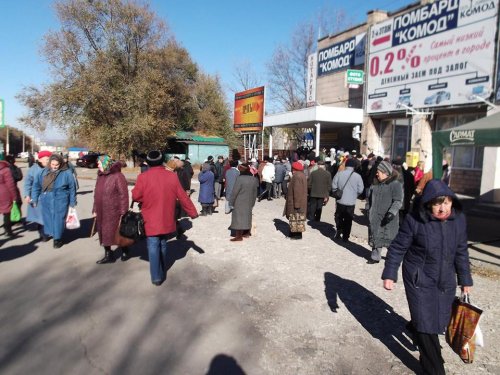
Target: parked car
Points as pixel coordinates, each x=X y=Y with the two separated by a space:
x=88 y=161
x=23 y=155
x=437 y=97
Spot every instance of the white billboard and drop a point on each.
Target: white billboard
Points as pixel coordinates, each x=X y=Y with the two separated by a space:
x=439 y=54
x=312 y=62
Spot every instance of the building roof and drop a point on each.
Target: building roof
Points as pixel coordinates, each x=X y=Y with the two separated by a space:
x=190 y=137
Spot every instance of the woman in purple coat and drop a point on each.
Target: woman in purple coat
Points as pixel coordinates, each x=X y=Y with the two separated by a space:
x=110 y=203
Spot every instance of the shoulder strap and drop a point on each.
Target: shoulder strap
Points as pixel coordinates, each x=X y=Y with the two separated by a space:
x=347 y=180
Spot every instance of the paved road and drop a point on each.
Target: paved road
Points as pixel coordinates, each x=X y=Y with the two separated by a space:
x=267 y=305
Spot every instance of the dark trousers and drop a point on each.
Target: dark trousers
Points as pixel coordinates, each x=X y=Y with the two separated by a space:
x=343 y=219
x=430 y=353
x=268 y=191
x=315 y=208
x=7 y=224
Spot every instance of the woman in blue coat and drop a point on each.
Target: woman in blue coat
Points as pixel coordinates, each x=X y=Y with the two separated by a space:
x=207 y=190
x=56 y=190
x=432 y=244
x=35 y=213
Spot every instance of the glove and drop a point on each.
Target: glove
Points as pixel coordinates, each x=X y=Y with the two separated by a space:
x=387 y=218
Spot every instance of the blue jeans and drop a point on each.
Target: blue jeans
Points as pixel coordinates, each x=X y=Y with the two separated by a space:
x=157 y=251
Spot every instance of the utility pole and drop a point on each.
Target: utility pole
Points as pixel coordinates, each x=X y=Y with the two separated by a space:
x=7 y=148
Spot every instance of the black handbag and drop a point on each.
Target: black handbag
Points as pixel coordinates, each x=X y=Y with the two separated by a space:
x=132 y=225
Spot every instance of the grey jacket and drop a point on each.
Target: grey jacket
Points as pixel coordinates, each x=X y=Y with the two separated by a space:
x=353 y=188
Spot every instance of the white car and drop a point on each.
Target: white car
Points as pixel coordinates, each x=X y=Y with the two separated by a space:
x=23 y=155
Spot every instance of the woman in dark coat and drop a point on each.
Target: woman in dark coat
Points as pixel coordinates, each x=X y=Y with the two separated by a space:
x=110 y=203
x=8 y=194
x=207 y=191
x=296 y=198
x=242 y=199
x=432 y=244
x=385 y=198
x=56 y=190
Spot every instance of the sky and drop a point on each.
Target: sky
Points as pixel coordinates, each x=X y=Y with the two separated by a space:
x=218 y=34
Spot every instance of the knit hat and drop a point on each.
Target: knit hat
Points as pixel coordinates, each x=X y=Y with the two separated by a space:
x=385 y=167
x=210 y=158
x=44 y=153
x=154 y=158
x=297 y=166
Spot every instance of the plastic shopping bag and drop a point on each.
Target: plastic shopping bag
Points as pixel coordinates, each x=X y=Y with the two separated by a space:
x=15 y=213
x=72 y=221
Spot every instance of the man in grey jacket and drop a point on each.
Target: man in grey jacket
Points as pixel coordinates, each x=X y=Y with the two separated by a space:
x=352 y=186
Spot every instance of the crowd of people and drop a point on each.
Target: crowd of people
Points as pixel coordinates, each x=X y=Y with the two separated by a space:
x=418 y=219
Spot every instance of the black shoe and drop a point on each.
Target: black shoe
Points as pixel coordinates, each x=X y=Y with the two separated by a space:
x=259 y=199
x=109 y=257
x=125 y=255
x=44 y=238
x=371 y=261
x=345 y=239
x=338 y=236
x=269 y=199
x=57 y=244
x=157 y=283
x=10 y=235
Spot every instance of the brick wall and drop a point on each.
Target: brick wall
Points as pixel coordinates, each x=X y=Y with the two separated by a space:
x=465 y=181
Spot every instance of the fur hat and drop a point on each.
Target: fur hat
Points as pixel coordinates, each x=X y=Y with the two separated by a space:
x=385 y=167
x=154 y=158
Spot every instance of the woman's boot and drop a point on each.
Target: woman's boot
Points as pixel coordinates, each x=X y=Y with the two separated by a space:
x=203 y=210
x=237 y=236
x=109 y=257
x=245 y=233
x=125 y=254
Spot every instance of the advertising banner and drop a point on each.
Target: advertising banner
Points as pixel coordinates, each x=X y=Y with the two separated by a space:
x=342 y=55
x=439 y=54
x=249 y=110
x=312 y=62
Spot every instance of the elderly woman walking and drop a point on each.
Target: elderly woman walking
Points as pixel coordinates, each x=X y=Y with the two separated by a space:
x=242 y=199
x=432 y=244
x=8 y=194
x=385 y=198
x=110 y=203
x=35 y=213
x=55 y=188
x=296 y=201
x=207 y=190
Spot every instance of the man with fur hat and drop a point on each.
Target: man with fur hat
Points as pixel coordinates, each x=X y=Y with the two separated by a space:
x=385 y=198
x=158 y=190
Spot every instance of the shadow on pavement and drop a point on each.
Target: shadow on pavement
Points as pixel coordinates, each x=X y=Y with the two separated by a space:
x=82 y=232
x=282 y=226
x=223 y=364
x=84 y=192
x=356 y=249
x=376 y=316
x=14 y=252
x=326 y=229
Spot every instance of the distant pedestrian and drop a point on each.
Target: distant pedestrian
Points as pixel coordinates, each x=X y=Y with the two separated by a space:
x=432 y=244
x=296 y=201
x=187 y=175
x=385 y=198
x=34 y=214
x=157 y=190
x=8 y=195
x=206 y=196
x=267 y=178
x=110 y=203
x=31 y=159
x=17 y=175
x=242 y=199
x=219 y=176
x=279 y=178
x=319 y=185
x=56 y=190
x=352 y=186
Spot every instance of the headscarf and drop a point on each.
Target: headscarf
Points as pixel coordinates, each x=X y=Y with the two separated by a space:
x=105 y=162
x=50 y=177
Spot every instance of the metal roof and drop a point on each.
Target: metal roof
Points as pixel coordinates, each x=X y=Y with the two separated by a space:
x=190 y=137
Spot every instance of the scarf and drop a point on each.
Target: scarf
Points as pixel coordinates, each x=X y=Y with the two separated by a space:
x=48 y=180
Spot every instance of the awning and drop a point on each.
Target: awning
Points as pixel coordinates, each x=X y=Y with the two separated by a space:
x=328 y=117
x=482 y=132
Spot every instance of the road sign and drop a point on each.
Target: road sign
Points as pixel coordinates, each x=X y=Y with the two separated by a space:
x=2 y=112
x=354 y=77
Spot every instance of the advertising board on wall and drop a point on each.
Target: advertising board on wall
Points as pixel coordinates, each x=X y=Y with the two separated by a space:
x=249 y=110
x=312 y=61
x=342 y=55
x=435 y=55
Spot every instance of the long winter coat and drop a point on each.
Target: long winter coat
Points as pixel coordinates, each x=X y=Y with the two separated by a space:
x=231 y=176
x=158 y=190
x=110 y=202
x=296 y=198
x=55 y=203
x=242 y=200
x=383 y=197
x=34 y=213
x=8 y=193
x=434 y=253
x=207 y=192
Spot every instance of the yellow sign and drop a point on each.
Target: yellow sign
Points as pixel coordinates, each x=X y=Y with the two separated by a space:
x=249 y=110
